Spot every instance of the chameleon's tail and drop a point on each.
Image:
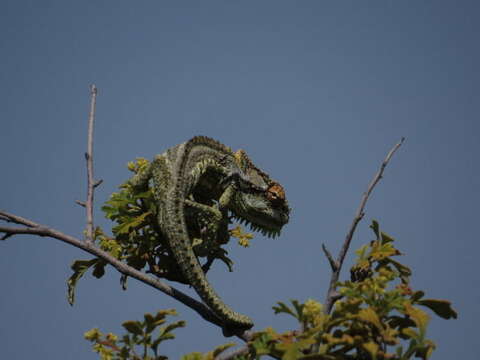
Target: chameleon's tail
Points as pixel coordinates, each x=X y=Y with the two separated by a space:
x=193 y=272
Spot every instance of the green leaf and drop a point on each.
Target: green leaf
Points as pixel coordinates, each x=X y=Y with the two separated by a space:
x=99 y=269
x=93 y=334
x=418 y=316
x=376 y=228
x=221 y=348
x=149 y=322
x=417 y=295
x=282 y=308
x=123 y=281
x=442 y=308
x=372 y=348
x=127 y=226
x=79 y=268
x=362 y=252
x=410 y=333
x=133 y=327
x=386 y=238
x=163 y=313
x=193 y=356
x=369 y=315
x=299 y=308
x=173 y=326
x=404 y=271
x=426 y=350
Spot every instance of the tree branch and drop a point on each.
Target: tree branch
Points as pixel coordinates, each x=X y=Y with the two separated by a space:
x=33 y=228
x=243 y=350
x=332 y=295
x=91 y=184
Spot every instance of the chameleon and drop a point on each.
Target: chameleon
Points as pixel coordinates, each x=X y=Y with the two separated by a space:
x=204 y=179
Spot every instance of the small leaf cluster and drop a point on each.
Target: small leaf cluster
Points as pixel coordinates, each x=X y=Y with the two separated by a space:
x=140 y=341
x=378 y=315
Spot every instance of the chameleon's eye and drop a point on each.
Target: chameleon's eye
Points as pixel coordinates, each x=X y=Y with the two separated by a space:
x=275 y=193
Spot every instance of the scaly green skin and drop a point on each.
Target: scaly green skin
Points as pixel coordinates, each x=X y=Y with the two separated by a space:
x=207 y=176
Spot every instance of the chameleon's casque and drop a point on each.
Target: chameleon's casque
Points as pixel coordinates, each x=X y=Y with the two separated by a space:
x=205 y=179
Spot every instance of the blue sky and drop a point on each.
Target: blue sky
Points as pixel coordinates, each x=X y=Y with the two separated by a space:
x=316 y=92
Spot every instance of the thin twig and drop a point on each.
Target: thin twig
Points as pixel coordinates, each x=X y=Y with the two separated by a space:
x=333 y=263
x=89 y=158
x=332 y=295
x=33 y=228
x=81 y=203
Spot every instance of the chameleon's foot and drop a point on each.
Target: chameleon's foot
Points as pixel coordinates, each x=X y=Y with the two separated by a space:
x=229 y=330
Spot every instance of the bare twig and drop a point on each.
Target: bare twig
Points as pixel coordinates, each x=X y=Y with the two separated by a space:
x=89 y=157
x=34 y=228
x=332 y=295
x=333 y=263
x=81 y=203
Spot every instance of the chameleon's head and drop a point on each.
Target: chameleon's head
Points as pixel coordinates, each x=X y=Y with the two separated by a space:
x=258 y=200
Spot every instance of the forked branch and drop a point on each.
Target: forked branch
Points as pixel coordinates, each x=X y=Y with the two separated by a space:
x=336 y=265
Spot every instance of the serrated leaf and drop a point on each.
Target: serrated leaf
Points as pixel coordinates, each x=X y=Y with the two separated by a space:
x=442 y=308
x=79 y=268
x=282 y=308
x=420 y=317
x=193 y=356
x=299 y=308
x=163 y=313
x=174 y=325
x=221 y=348
x=369 y=315
x=133 y=327
x=383 y=251
x=127 y=226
